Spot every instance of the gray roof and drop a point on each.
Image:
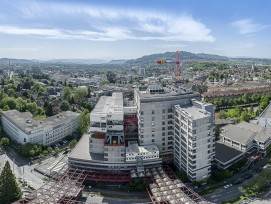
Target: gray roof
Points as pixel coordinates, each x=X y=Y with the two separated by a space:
x=224 y=153
x=238 y=134
x=26 y=122
x=81 y=151
x=245 y=132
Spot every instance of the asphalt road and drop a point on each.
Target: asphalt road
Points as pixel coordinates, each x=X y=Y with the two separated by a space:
x=22 y=171
x=223 y=194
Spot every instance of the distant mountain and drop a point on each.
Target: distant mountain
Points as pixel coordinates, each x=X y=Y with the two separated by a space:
x=172 y=56
x=120 y=61
x=15 y=61
x=75 y=61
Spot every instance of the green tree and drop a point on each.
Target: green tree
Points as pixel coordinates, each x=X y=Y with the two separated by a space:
x=244 y=116
x=32 y=152
x=4 y=141
x=73 y=143
x=10 y=102
x=80 y=94
x=64 y=106
x=9 y=189
x=6 y=108
x=67 y=92
x=83 y=122
x=49 y=110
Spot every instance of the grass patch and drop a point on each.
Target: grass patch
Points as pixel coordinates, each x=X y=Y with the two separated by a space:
x=235 y=200
x=40 y=117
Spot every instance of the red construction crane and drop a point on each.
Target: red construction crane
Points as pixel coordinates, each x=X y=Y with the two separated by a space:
x=177 y=63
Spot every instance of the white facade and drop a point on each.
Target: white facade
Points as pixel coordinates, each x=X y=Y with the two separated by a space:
x=106 y=129
x=147 y=152
x=193 y=142
x=24 y=129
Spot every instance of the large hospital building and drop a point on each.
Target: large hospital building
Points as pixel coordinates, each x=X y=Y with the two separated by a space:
x=164 y=124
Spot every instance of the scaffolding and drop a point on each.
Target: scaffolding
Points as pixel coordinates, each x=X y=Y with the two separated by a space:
x=66 y=189
x=166 y=188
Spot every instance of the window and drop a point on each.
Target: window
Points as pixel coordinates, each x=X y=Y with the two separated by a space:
x=163 y=122
x=163 y=117
x=153 y=129
x=163 y=134
x=141 y=113
x=152 y=118
x=163 y=128
x=163 y=110
x=152 y=140
x=142 y=136
x=163 y=139
x=169 y=110
x=152 y=112
x=152 y=135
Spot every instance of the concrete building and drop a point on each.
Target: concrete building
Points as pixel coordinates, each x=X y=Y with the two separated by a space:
x=193 y=141
x=138 y=137
x=23 y=128
x=265 y=117
x=156 y=115
x=112 y=144
x=239 y=140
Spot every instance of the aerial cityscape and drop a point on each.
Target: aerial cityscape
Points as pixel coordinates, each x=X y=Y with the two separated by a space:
x=152 y=102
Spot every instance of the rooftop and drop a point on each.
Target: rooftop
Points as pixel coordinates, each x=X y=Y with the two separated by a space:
x=193 y=112
x=81 y=151
x=134 y=148
x=168 y=93
x=245 y=132
x=25 y=121
x=109 y=104
x=224 y=153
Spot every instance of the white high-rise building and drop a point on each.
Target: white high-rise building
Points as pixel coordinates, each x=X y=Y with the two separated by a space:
x=155 y=114
x=193 y=141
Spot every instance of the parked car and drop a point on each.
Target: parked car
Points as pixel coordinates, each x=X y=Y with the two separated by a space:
x=267 y=166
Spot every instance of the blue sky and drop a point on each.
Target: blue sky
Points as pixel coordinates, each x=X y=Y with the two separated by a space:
x=125 y=29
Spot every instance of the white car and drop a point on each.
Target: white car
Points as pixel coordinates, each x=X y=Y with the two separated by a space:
x=267 y=166
x=226 y=186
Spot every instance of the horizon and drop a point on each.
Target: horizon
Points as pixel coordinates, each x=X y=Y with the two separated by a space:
x=59 y=29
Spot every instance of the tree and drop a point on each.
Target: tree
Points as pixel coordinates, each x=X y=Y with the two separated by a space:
x=9 y=189
x=67 y=92
x=111 y=77
x=80 y=94
x=4 y=141
x=6 y=108
x=83 y=122
x=32 y=152
x=73 y=143
x=244 y=116
x=49 y=110
x=10 y=102
x=64 y=106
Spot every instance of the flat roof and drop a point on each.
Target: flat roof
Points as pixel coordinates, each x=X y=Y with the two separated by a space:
x=26 y=122
x=194 y=112
x=170 y=93
x=134 y=148
x=81 y=151
x=224 y=153
x=109 y=104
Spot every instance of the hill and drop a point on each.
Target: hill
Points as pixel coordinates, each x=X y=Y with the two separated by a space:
x=172 y=56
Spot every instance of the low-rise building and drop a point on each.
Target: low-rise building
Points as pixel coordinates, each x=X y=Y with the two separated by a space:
x=24 y=128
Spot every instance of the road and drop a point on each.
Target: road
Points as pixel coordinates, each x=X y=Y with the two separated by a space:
x=223 y=194
x=21 y=169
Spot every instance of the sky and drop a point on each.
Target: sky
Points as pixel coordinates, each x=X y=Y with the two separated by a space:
x=127 y=29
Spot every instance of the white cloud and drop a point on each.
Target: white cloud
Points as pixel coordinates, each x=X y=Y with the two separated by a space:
x=104 y=24
x=246 y=26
